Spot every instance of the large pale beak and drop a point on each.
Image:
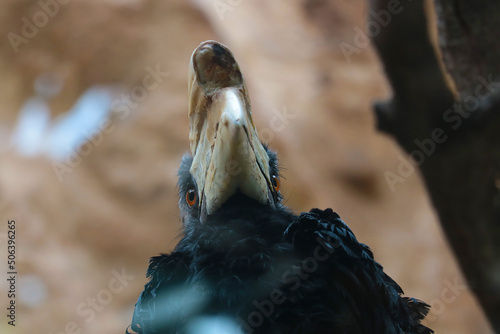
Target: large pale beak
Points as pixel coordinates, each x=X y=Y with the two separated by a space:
x=227 y=154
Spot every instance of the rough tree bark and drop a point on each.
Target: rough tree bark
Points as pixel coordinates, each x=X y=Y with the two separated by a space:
x=454 y=140
x=470 y=40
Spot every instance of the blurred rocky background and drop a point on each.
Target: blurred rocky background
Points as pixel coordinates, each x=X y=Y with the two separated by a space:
x=93 y=124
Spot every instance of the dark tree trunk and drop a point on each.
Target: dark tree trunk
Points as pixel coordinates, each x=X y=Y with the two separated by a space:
x=456 y=141
x=469 y=40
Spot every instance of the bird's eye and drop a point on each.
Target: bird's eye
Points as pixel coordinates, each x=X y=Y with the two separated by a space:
x=276 y=183
x=191 y=197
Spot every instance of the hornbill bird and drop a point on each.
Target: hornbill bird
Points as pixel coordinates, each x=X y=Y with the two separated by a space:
x=246 y=263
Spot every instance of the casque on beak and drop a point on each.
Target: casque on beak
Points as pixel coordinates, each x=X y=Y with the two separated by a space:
x=227 y=154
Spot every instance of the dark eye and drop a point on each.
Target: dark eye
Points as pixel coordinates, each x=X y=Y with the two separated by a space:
x=191 y=197
x=276 y=183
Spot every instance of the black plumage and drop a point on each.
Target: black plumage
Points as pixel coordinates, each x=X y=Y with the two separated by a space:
x=258 y=268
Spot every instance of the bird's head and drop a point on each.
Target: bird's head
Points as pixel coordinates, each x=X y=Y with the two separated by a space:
x=228 y=163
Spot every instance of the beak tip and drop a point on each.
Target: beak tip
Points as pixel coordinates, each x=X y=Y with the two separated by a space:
x=215 y=66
